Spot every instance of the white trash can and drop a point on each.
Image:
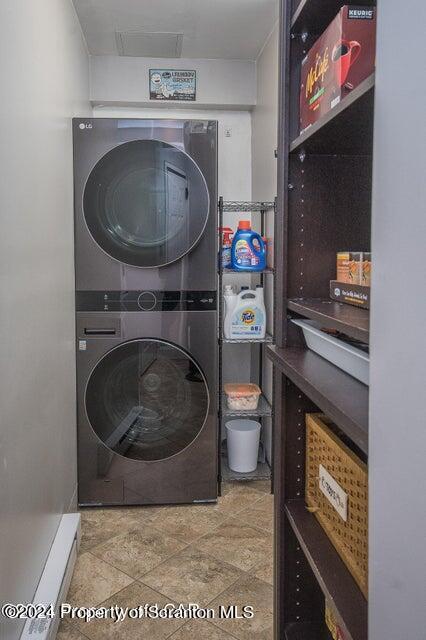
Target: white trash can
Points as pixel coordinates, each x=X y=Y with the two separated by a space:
x=242 y=440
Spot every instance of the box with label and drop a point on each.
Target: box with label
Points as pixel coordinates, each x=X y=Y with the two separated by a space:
x=355 y=294
x=336 y=492
x=338 y=62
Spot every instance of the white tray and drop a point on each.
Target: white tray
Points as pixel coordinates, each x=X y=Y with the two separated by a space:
x=343 y=355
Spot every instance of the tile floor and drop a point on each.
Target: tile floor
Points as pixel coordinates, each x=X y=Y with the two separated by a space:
x=211 y=555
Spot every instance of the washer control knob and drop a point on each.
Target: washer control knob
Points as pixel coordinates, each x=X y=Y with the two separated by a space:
x=147 y=301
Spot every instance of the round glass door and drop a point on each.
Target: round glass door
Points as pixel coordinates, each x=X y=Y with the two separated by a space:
x=147 y=400
x=146 y=203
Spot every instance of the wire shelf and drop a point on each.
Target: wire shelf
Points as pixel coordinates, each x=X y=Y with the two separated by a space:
x=227 y=271
x=263 y=409
x=267 y=338
x=240 y=206
x=262 y=472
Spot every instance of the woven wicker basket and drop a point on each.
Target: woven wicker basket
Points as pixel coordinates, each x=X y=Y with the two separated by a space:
x=350 y=538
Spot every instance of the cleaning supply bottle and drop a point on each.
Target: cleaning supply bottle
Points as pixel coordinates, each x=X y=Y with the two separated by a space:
x=248 y=249
x=247 y=319
x=230 y=299
x=225 y=258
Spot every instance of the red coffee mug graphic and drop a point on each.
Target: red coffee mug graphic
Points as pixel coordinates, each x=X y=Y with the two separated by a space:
x=343 y=56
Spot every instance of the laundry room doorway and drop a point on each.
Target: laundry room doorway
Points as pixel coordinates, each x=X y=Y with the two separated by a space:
x=180 y=144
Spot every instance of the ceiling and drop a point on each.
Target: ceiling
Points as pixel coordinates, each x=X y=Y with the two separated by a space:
x=230 y=29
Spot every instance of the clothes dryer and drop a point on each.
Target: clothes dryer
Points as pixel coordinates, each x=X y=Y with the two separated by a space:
x=145 y=204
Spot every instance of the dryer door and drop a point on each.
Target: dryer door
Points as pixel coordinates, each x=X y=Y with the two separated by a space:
x=147 y=399
x=146 y=203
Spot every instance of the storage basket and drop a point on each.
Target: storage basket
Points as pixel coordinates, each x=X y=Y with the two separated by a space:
x=327 y=454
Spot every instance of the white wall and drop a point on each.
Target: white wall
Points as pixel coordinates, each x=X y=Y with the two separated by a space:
x=397 y=437
x=264 y=170
x=44 y=72
x=125 y=81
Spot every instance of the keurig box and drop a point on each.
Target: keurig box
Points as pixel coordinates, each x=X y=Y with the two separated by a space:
x=338 y=62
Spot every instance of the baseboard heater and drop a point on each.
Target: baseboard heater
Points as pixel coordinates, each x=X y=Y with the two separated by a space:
x=56 y=577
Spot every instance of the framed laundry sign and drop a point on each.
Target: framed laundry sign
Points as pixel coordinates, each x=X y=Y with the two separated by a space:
x=172 y=84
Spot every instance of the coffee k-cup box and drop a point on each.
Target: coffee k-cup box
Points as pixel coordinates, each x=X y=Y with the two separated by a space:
x=355 y=294
x=338 y=62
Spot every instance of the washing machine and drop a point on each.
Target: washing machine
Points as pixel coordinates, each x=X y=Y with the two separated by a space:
x=145 y=194
x=147 y=402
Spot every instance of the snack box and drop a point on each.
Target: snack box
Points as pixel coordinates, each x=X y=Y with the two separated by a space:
x=355 y=294
x=338 y=62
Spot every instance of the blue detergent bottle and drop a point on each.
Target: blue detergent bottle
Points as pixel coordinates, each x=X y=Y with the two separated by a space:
x=248 y=251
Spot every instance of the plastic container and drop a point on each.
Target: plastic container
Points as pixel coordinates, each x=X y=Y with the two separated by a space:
x=343 y=355
x=242 y=397
x=245 y=317
x=248 y=251
x=242 y=440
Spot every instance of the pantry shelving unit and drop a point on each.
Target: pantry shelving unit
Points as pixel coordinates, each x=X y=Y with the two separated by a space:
x=323 y=206
x=265 y=409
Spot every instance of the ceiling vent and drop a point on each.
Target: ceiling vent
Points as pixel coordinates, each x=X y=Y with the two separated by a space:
x=149 y=45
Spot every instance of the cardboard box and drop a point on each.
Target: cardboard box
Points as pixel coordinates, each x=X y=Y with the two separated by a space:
x=354 y=267
x=338 y=62
x=355 y=294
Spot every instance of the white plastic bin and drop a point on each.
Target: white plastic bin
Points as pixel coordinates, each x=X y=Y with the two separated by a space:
x=352 y=360
x=242 y=439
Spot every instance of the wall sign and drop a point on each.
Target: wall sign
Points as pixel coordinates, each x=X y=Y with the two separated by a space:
x=172 y=84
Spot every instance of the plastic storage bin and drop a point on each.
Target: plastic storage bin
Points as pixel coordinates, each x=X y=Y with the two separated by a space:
x=350 y=359
x=242 y=397
x=242 y=439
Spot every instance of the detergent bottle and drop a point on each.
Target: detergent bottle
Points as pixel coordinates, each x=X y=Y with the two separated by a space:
x=248 y=249
x=230 y=299
x=247 y=319
x=225 y=258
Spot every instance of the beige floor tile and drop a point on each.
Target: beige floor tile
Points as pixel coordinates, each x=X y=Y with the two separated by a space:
x=99 y=525
x=237 y=543
x=189 y=522
x=265 y=571
x=200 y=630
x=135 y=595
x=263 y=486
x=260 y=513
x=68 y=631
x=138 y=551
x=248 y=591
x=94 y=581
x=191 y=576
x=235 y=498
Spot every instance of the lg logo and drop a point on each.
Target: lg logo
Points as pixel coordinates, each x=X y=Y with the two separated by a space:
x=82 y=125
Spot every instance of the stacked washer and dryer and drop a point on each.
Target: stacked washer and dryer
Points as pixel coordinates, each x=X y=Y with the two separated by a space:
x=146 y=310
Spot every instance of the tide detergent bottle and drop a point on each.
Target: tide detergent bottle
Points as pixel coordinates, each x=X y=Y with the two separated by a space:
x=248 y=251
x=247 y=320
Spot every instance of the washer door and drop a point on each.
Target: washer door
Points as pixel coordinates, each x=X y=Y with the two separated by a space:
x=146 y=203
x=147 y=399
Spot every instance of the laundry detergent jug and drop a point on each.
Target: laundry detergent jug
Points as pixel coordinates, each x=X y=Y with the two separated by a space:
x=247 y=315
x=248 y=251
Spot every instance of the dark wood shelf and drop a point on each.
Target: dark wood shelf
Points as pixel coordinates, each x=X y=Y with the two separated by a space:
x=330 y=571
x=307 y=631
x=314 y=17
x=346 y=129
x=343 y=398
x=352 y=321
